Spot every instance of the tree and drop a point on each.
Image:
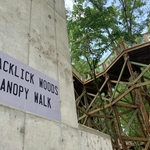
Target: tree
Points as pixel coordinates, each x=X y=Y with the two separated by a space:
x=131 y=16
x=87 y=34
x=96 y=27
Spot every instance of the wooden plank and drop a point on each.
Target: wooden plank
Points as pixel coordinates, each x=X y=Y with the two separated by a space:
x=141 y=125
x=119 y=56
x=102 y=116
x=141 y=84
x=121 y=82
x=126 y=105
x=127 y=138
x=91 y=94
x=119 y=128
x=130 y=121
x=138 y=64
x=131 y=125
x=80 y=118
x=79 y=98
x=119 y=78
x=88 y=119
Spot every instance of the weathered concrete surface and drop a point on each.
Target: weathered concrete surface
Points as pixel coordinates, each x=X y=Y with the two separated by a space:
x=42 y=46
x=41 y=133
x=101 y=140
x=35 y=33
x=70 y=138
x=14 y=28
x=23 y=131
x=11 y=128
x=59 y=8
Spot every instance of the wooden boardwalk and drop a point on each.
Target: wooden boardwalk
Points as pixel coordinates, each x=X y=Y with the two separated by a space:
x=120 y=103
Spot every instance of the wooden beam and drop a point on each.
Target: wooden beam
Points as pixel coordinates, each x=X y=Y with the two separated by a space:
x=95 y=98
x=131 y=125
x=79 y=98
x=141 y=125
x=141 y=74
x=81 y=108
x=115 y=76
x=130 y=121
x=141 y=84
x=119 y=128
x=121 y=82
x=119 y=78
x=97 y=94
x=87 y=104
x=127 y=101
x=106 y=99
x=126 y=105
x=127 y=138
x=76 y=94
x=80 y=118
x=121 y=54
x=91 y=94
x=96 y=126
x=138 y=64
x=127 y=111
x=102 y=116
x=114 y=102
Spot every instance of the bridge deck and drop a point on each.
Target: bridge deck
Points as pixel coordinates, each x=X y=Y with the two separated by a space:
x=139 y=53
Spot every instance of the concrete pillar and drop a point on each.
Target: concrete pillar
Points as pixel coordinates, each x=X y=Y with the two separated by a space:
x=34 y=32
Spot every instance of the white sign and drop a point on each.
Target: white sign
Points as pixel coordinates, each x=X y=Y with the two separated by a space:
x=27 y=89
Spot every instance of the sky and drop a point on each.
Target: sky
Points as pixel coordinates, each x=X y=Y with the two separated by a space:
x=69 y=4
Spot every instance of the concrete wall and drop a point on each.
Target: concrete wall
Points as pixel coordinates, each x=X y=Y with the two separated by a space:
x=34 y=32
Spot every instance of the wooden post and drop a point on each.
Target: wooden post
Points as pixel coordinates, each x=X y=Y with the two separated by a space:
x=119 y=128
x=122 y=46
x=122 y=70
x=86 y=105
x=115 y=52
x=113 y=123
x=138 y=94
x=145 y=90
x=141 y=125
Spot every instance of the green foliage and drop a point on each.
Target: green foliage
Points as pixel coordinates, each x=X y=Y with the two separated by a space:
x=131 y=16
x=95 y=27
x=87 y=34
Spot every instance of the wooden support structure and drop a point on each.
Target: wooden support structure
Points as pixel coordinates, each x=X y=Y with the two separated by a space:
x=121 y=106
x=139 y=99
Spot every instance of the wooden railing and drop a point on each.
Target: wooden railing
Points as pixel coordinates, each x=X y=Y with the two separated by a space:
x=114 y=54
